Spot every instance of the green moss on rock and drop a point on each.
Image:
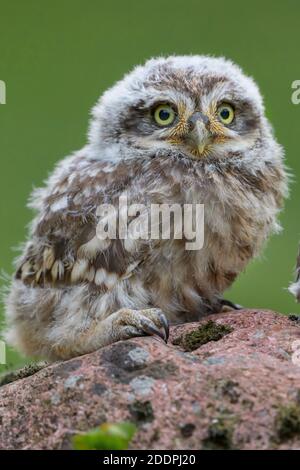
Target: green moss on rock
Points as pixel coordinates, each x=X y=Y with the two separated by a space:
x=219 y=435
x=141 y=411
x=27 y=371
x=209 y=331
x=287 y=422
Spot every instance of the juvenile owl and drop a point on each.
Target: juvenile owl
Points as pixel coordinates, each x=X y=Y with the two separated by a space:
x=184 y=130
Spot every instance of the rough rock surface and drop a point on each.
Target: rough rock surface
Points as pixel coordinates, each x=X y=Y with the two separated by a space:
x=239 y=390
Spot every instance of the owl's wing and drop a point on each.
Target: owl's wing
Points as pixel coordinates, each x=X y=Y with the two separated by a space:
x=64 y=248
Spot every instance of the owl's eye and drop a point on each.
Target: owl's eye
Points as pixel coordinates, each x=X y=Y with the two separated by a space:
x=226 y=113
x=164 y=115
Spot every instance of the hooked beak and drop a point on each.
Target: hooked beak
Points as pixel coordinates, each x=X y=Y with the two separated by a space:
x=199 y=135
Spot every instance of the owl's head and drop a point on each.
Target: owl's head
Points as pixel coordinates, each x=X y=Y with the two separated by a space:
x=197 y=107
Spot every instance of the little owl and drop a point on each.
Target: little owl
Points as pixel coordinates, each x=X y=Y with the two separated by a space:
x=185 y=130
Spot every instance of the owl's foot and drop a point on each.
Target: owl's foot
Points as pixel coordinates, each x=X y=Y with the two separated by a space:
x=120 y=325
x=129 y=323
x=227 y=306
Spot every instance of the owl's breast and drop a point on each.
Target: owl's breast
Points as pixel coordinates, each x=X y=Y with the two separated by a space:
x=238 y=219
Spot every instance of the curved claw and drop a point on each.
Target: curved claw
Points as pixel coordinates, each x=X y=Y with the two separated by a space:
x=166 y=326
x=150 y=329
x=228 y=303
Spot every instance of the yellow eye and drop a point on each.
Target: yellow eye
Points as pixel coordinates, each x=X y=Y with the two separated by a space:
x=226 y=113
x=164 y=115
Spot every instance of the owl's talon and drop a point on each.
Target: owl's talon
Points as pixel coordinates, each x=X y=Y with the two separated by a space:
x=233 y=306
x=166 y=326
x=150 y=329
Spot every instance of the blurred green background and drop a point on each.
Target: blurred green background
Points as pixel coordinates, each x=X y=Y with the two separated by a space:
x=57 y=56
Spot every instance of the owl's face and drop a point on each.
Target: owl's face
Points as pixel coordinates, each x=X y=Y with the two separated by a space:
x=197 y=107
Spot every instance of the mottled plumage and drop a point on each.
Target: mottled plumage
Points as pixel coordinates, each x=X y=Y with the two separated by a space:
x=73 y=292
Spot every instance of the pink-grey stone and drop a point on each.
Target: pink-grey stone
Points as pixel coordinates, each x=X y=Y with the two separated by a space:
x=240 y=392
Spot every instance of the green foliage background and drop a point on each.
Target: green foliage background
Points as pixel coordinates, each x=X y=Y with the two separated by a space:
x=57 y=56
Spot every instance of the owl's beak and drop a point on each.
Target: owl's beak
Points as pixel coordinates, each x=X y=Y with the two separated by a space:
x=199 y=135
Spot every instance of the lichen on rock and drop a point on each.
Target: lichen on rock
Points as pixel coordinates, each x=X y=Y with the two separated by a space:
x=209 y=331
x=287 y=422
x=26 y=371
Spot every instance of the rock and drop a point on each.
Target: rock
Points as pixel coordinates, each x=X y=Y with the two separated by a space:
x=232 y=383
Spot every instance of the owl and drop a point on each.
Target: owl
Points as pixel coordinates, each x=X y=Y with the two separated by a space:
x=182 y=129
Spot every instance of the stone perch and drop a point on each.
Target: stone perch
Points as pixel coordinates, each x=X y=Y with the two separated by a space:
x=231 y=381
